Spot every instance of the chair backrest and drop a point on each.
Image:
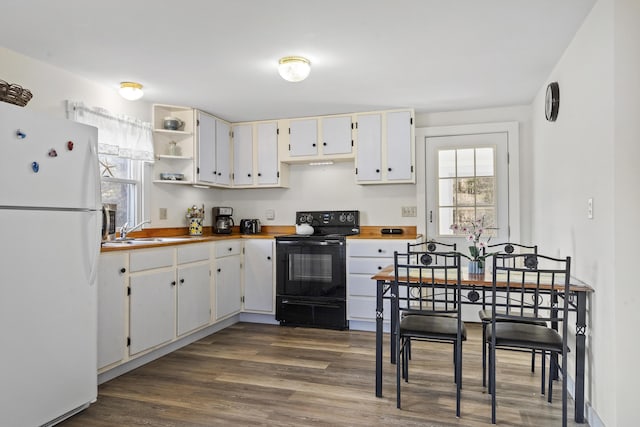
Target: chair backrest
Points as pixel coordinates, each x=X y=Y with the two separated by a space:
x=510 y=248
x=415 y=249
x=428 y=282
x=530 y=285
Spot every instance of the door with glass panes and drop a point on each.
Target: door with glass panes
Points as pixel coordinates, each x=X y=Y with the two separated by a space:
x=467 y=180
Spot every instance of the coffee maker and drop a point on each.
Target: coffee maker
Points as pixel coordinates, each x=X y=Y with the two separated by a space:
x=223 y=222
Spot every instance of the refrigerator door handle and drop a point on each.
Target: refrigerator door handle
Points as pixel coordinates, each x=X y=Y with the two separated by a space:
x=96 y=176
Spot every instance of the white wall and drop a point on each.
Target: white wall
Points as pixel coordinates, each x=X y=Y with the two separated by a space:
x=626 y=232
x=51 y=86
x=591 y=152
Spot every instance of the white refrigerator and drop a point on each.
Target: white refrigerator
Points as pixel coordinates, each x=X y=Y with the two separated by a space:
x=50 y=231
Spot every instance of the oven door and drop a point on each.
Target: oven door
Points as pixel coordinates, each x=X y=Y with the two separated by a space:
x=311 y=268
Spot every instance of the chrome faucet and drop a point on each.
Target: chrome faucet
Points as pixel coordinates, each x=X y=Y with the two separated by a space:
x=124 y=230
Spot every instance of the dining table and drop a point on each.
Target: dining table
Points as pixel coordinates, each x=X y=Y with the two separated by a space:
x=475 y=288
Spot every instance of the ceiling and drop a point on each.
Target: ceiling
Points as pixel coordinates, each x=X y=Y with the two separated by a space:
x=221 y=56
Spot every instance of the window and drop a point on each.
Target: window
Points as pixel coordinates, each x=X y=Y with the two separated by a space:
x=466 y=187
x=124 y=145
x=121 y=181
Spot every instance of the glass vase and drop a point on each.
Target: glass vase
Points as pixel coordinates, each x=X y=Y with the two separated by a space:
x=476 y=267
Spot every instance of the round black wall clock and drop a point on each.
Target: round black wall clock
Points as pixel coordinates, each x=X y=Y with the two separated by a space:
x=552 y=102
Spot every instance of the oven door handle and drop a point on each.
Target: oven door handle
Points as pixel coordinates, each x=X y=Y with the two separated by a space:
x=310 y=243
x=310 y=303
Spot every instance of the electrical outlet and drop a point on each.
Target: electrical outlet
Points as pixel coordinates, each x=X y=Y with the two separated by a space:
x=270 y=214
x=162 y=213
x=409 y=211
x=590 y=208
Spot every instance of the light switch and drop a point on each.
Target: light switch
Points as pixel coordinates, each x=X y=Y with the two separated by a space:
x=270 y=214
x=590 y=208
x=162 y=214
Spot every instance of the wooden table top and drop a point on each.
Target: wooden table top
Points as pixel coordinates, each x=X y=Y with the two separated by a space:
x=480 y=280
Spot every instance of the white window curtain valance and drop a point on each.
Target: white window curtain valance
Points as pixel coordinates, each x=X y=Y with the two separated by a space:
x=118 y=135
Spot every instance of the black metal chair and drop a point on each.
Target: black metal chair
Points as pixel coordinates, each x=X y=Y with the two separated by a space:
x=431 y=308
x=485 y=314
x=547 y=280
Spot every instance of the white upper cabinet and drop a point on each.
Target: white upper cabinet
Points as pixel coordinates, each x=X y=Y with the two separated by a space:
x=303 y=137
x=399 y=140
x=223 y=152
x=316 y=139
x=213 y=165
x=336 y=135
x=255 y=154
x=243 y=155
x=369 y=148
x=385 y=148
x=267 y=148
x=206 y=141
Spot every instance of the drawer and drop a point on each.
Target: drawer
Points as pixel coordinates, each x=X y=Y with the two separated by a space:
x=376 y=248
x=367 y=265
x=364 y=308
x=193 y=253
x=140 y=259
x=361 y=285
x=228 y=248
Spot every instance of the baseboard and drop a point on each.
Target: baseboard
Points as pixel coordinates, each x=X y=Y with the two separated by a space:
x=163 y=351
x=259 y=318
x=369 y=326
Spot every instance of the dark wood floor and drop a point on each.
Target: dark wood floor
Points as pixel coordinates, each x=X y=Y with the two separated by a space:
x=252 y=374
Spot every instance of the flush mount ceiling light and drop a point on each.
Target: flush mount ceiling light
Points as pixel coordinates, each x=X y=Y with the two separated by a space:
x=294 y=68
x=131 y=90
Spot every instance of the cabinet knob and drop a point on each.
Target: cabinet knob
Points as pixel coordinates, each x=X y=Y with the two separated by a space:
x=377 y=170
x=219 y=270
x=313 y=145
x=269 y=258
x=249 y=175
x=389 y=169
x=259 y=174
x=230 y=249
x=379 y=251
x=219 y=173
x=181 y=281
x=324 y=143
x=379 y=268
x=173 y=283
x=215 y=172
x=123 y=270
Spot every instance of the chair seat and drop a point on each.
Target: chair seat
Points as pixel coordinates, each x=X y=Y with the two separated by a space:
x=431 y=326
x=485 y=316
x=525 y=335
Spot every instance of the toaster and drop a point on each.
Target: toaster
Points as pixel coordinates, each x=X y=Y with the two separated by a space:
x=250 y=226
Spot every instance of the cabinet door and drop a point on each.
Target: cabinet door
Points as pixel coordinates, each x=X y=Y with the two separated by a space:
x=303 y=138
x=228 y=290
x=152 y=309
x=336 y=135
x=194 y=297
x=112 y=278
x=267 y=153
x=399 y=143
x=258 y=275
x=206 y=148
x=369 y=148
x=223 y=152
x=243 y=155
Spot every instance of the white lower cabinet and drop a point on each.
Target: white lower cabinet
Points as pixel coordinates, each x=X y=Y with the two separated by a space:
x=228 y=297
x=193 y=288
x=259 y=275
x=112 y=290
x=152 y=318
x=364 y=259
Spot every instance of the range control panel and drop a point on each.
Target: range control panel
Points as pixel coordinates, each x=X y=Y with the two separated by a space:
x=347 y=222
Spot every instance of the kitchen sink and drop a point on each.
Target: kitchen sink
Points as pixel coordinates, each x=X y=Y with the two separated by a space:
x=144 y=241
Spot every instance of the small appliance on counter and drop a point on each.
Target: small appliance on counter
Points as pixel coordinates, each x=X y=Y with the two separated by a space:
x=109 y=221
x=250 y=226
x=223 y=222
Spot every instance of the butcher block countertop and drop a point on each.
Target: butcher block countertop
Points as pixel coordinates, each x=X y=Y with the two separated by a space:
x=268 y=232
